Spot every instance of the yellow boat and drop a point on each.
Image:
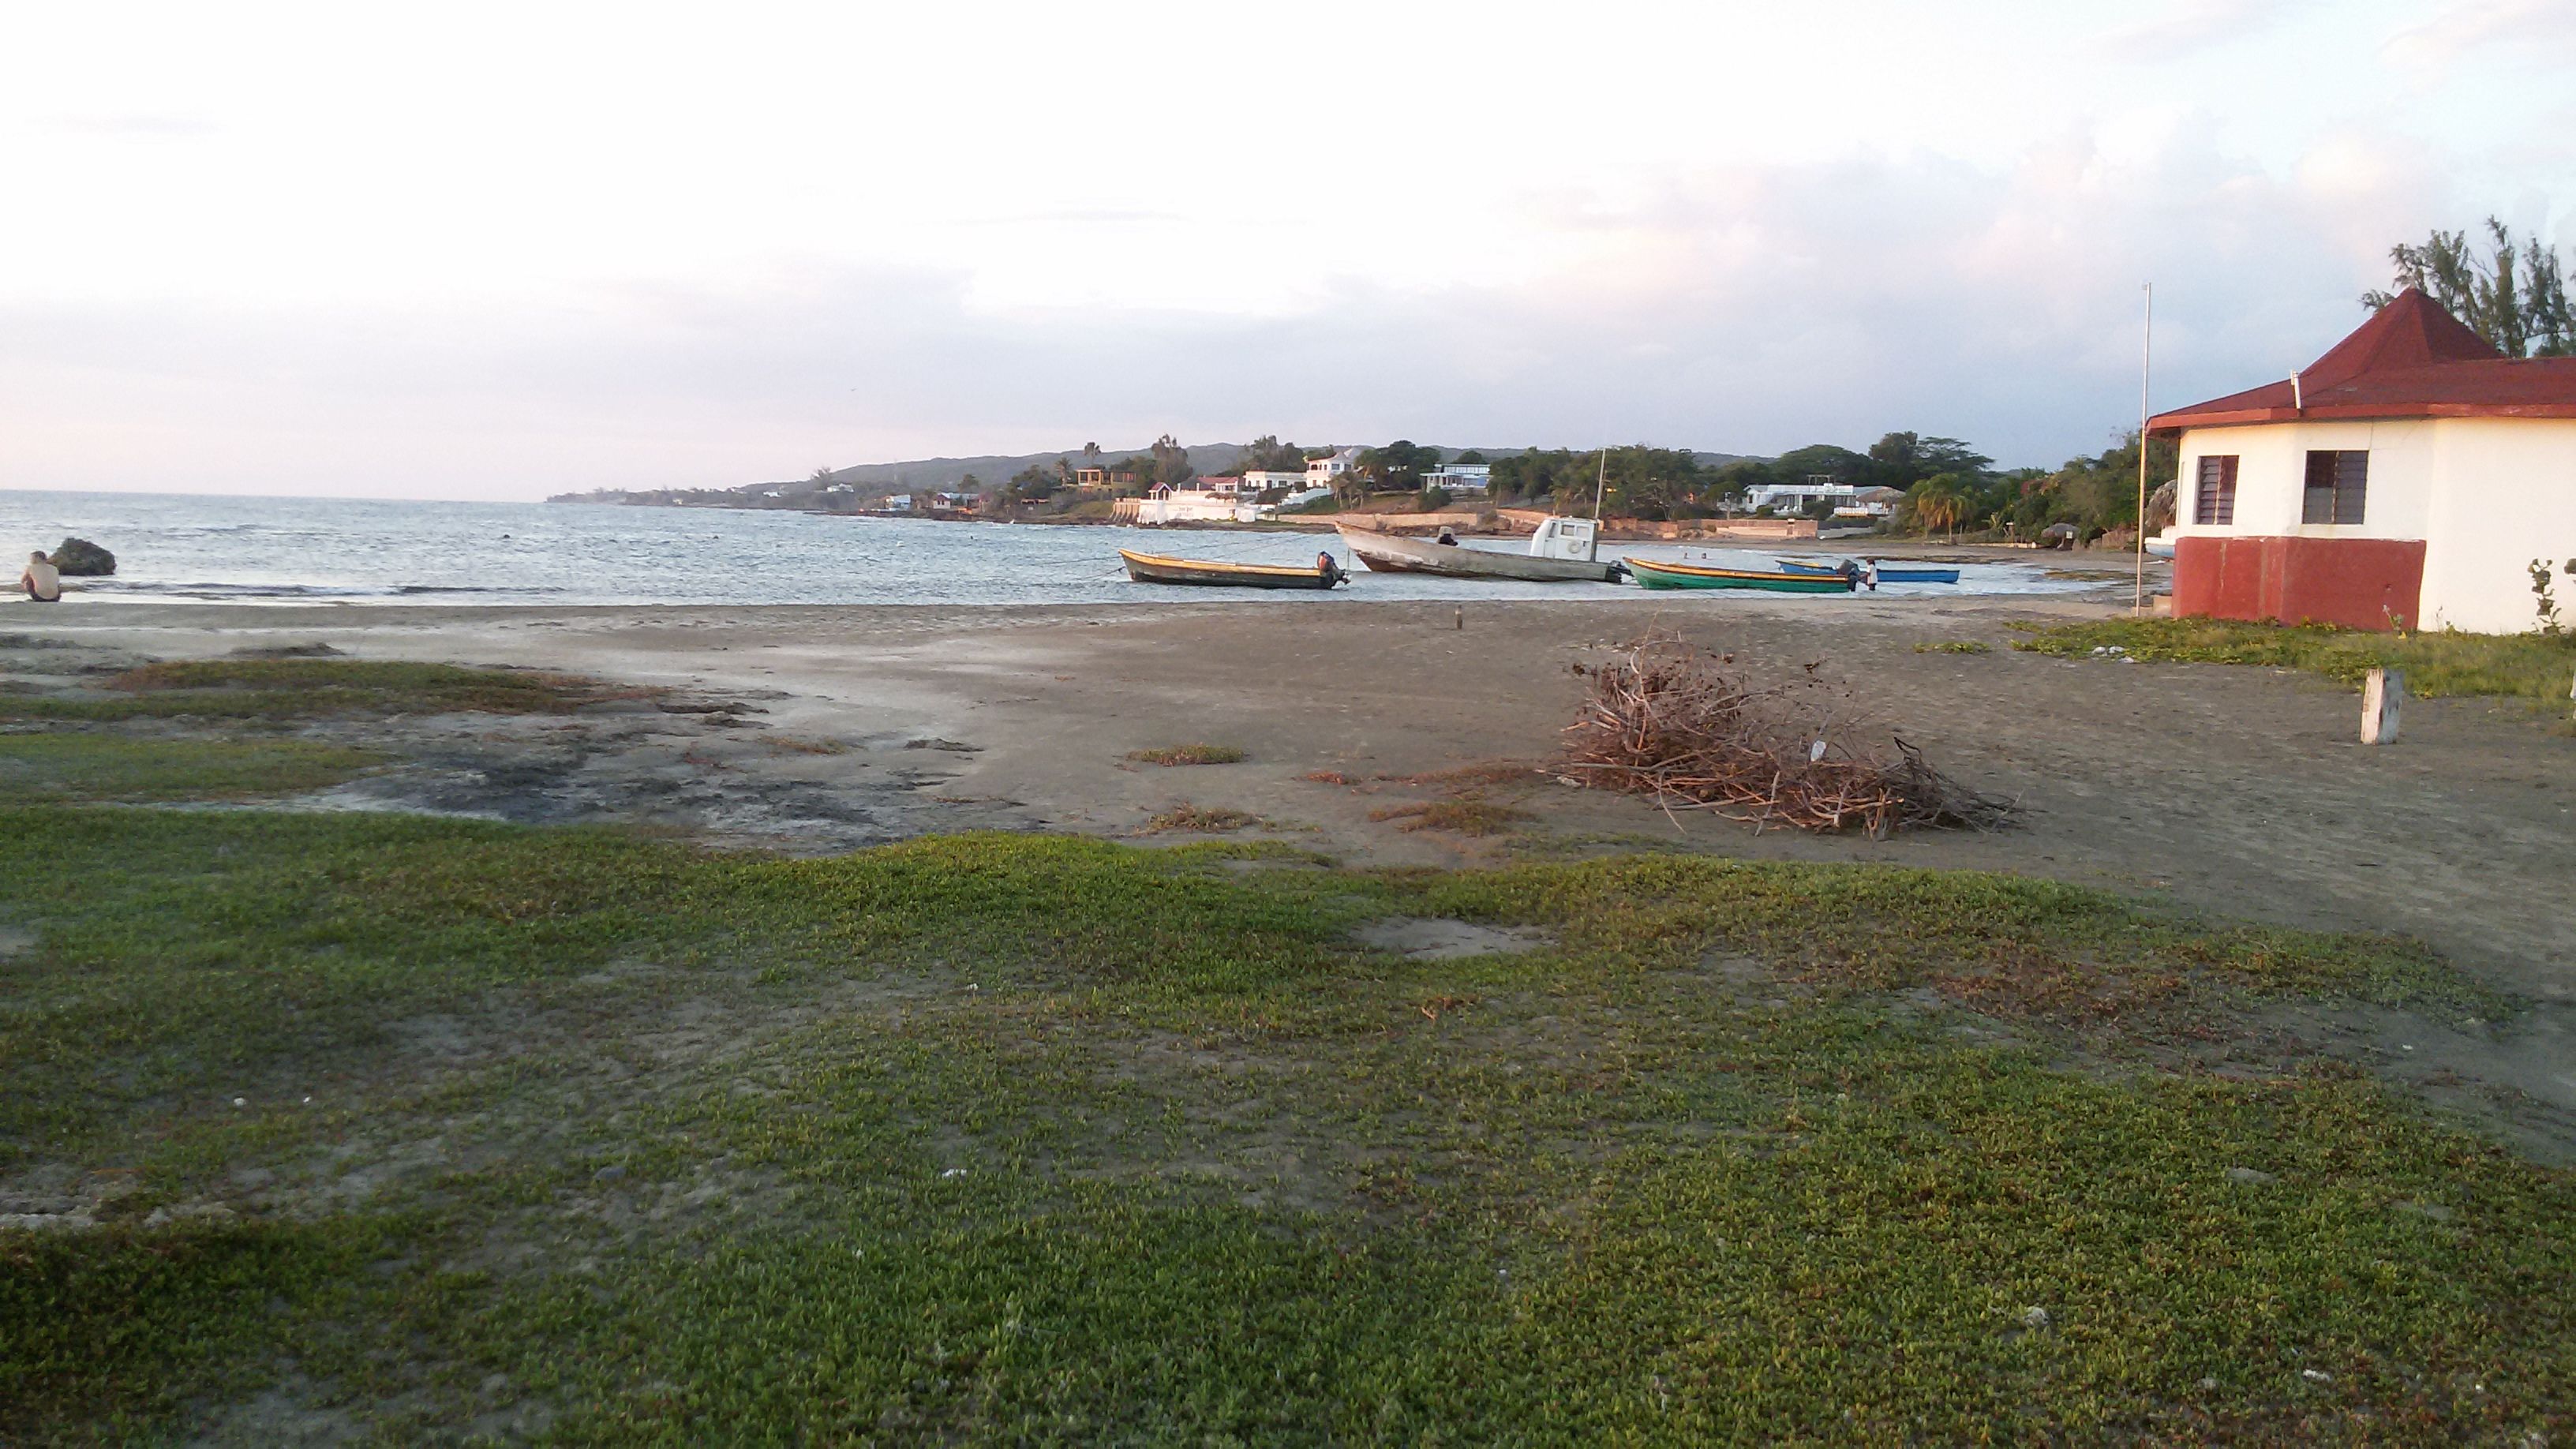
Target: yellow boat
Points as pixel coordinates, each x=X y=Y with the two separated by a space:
x=1154 y=568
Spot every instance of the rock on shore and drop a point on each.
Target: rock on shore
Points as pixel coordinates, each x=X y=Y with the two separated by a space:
x=81 y=559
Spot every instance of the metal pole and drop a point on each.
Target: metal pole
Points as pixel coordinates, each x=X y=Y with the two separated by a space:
x=2146 y=370
x=1600 y=485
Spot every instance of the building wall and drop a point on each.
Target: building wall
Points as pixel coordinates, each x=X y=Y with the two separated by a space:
x=2483 y=496
x=2507 y=496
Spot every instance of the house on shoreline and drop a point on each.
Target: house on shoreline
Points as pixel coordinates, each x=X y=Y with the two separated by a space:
x=2407 y=478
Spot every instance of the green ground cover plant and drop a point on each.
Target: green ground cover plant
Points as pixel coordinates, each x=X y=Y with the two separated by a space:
x=59 y=766
x=288 y=689
x=437 y=1127
x=1188 y=755
x=2537 y=667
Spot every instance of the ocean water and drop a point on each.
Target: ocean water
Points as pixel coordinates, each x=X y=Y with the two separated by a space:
x=182 y=548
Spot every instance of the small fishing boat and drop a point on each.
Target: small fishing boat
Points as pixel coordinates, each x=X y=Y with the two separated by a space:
x=1701 y=576
x=1154 y=568
x=1560 y=552
x=1889 y=571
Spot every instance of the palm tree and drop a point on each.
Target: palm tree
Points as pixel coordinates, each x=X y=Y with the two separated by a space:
x=1938 y=502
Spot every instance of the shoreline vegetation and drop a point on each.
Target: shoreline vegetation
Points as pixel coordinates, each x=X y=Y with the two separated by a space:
x=380 y=1123
x=1905 y=485
x=2538 y=667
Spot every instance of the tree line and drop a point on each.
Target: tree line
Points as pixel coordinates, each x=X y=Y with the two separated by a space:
x=2511 y=289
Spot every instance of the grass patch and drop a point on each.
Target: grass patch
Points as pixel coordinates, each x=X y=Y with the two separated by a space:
x=1211 y=819
x=1188 y=755
x=1458 y=817
x=57 y=767
x=310 y=688
x=1006 y=1137
x=106 y=1332
x=2536 y=667
x=1955 y=646
x=805 y=745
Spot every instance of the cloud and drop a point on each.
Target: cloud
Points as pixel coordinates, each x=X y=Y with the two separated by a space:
x=1747 y=308
x=2188 y=27
x=2542 y=31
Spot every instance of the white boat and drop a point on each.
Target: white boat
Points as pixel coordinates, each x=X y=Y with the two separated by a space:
x=1560 y=552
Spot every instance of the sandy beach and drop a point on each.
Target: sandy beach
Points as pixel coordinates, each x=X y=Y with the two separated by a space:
x=2239 y=792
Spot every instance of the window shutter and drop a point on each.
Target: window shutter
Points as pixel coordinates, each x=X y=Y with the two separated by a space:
x=2217 y=495
x=2351 y=485
x=2338 y=486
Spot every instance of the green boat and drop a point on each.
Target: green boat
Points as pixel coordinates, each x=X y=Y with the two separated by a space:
x=1699 y=576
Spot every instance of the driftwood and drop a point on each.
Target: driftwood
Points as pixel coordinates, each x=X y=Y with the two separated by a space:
x=1695 y=732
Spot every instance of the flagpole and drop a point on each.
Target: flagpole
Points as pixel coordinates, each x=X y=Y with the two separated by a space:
x=2146 y=370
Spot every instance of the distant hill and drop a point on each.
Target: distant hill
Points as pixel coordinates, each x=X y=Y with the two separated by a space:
x=868 y=482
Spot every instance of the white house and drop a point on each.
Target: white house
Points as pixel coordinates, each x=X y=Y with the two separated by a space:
x=1461 y=477
x=1320 y=472
x=1165 y=504
x=1797 y=497
x=2408 y=477
x=1262 y=480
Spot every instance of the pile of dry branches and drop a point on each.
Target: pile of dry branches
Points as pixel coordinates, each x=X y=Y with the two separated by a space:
x=1697 y=733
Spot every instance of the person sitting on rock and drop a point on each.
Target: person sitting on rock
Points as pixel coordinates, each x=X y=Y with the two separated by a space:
x=41 y=580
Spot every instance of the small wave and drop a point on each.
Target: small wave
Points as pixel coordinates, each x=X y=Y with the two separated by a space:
x=211 y=590
x=477 y=589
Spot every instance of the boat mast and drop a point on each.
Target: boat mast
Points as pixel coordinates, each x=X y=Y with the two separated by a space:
x=1599 y=485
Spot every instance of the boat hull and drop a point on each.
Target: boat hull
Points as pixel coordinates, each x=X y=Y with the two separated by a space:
x=1694 y=576
x=1388 y=554
x=1151 y=568
x=1887 y=573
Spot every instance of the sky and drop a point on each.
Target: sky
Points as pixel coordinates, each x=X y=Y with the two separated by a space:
x=503 y=251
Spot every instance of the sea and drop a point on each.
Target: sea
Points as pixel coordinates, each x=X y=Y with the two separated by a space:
x=182 y=548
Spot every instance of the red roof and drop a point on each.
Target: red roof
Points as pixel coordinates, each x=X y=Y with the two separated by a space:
x=2410 y=360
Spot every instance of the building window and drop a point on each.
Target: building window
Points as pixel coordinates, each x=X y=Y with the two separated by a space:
x=2217 y=503
x=2338 y=482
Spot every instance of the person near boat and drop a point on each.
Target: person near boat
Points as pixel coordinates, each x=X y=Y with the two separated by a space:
x=42 y=581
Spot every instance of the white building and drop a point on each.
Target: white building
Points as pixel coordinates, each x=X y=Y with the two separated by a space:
x=1321 y=472
x=1461 y=477
x=1262 y=480
x=1167 y=505
x=2409 y=478
x=1798 y=497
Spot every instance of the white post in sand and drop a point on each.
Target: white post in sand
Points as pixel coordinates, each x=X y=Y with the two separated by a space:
x=2381 y=693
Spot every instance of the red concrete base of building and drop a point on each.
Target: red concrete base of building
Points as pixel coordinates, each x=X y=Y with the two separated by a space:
x=2359 y=583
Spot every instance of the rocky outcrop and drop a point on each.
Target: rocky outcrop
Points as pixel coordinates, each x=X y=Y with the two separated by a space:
x=81 y=559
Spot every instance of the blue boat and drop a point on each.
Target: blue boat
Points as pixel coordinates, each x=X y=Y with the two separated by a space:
x=1888 y=573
